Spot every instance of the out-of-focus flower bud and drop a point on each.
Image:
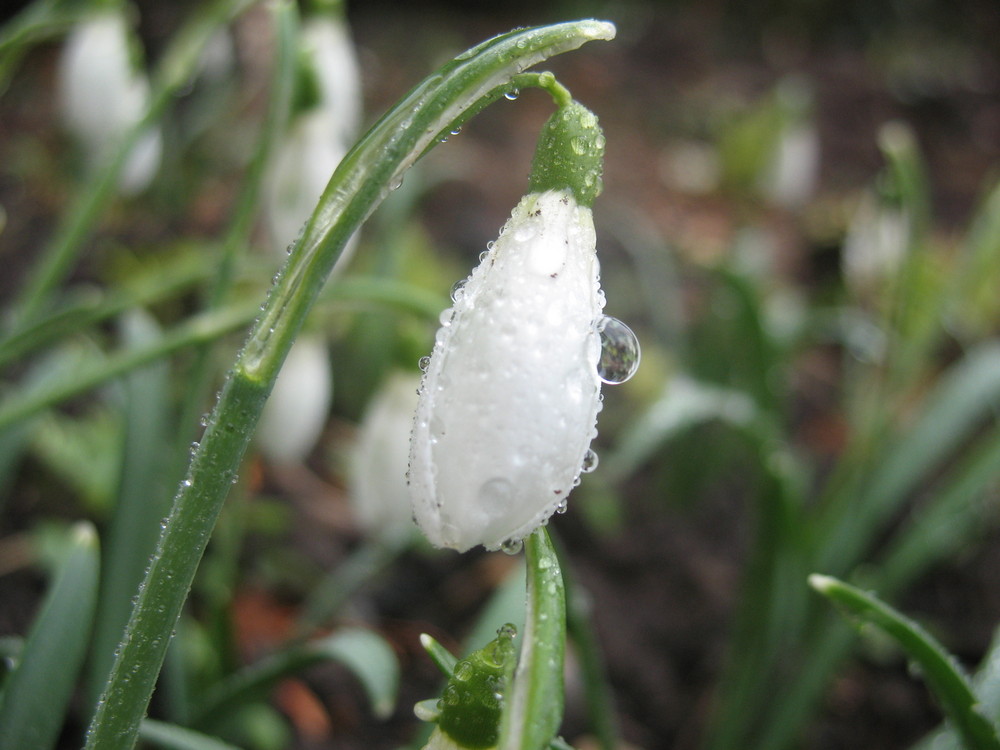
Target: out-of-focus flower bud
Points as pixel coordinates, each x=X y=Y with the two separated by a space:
x=875 y=245
x=104 y=93
x=296 y=410
x=320 y=131
x=378 y=475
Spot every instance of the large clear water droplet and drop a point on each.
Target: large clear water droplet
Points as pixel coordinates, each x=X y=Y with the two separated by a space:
x=458 y=290
x=512 y=546
x=619 y=351
x=589 y=462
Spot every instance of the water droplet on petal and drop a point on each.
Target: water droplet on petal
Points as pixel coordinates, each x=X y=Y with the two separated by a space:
x=513 y=94
x=512 y=546
x=562 y=507
x=456 y=130
x=619 y=351
x=589 y=462
x=458 y=290
x=396 y=183
x=423 y=363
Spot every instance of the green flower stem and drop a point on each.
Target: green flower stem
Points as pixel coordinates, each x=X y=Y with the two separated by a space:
x=535 y=703
x=365 y=176
x=939 y=669
x=174 y=73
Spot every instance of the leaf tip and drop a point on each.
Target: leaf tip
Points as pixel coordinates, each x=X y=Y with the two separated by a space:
x=822 y=583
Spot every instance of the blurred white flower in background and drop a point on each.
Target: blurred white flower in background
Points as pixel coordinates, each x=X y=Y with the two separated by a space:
x=104 y=93
x=792 y=170
x=300 y=172
x=296 y=410
x=379 y=495
x=326 y=40
x=320 y=131
x=875 y=244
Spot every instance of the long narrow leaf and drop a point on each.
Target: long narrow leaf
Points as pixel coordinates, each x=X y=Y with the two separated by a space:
x=38 y=692
x=968 y=394
x=366 y=654
x=534 y=707
x=986 y=684
x=142 y=498
x=172 y=737
x=941 y=672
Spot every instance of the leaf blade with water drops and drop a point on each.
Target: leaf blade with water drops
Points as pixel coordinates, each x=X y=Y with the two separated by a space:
x=534 y=705
x=939 y=669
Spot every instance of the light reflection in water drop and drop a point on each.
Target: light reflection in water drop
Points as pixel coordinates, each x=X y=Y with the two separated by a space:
x=512 y=546
x=619 y=351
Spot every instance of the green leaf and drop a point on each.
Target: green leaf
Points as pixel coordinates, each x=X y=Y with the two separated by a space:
x=366 y=654
x=940 y=670
x=683 y=404
x=443 y=658
x=172 y=737
x=142 y=499
x=534 y=707
x=38 y=691
x=967 y=394
x=986 y=684
x=974 y=303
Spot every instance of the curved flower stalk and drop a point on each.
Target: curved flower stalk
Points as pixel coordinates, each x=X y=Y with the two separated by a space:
x=104 y=94
x=510 y=395
x=378 y=472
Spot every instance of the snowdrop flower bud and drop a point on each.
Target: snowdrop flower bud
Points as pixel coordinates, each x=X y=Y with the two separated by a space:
x=104 y=94
x=378 y=477
x=875 y=244
x=301 y=170
x=326 y=40
x=321 y=130
x=789 y=178
x=510 y=395
x=296 y=410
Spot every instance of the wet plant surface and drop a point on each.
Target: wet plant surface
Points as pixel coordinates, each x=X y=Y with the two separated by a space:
x=661 y=550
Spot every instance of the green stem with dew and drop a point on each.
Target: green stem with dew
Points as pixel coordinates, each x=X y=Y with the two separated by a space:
x=365 y=176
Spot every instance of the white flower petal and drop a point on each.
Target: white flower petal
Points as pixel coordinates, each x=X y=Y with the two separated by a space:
x=510 y=398
x=103 y=95
x=296 y=410
x=378 y=478
x=301 y=170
